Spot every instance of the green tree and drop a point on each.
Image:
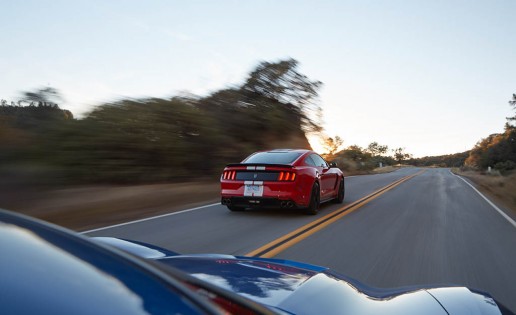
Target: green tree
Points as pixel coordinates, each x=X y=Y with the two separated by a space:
x=356 y=153
x=496 y=150
x=512 y=103
x=400 y=155
x=43 y=97
x=283 y=82
x=376 y=149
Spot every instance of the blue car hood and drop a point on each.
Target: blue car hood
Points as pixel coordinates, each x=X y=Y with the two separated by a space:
x=300 y=288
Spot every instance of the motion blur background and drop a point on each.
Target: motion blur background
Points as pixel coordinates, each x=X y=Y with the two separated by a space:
x=130 y=92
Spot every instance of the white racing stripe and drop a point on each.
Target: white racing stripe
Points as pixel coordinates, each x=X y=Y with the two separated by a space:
x=150 y=218
x=508 y=218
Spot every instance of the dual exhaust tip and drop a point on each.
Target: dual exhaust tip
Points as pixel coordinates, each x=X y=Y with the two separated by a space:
x=287 y=204
x=226 y=201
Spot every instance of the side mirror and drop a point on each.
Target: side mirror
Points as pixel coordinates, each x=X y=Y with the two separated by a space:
x=333 y=164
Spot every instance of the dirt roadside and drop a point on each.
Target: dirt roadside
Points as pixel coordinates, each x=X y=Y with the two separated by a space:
x=88 y=207
x=500 y=189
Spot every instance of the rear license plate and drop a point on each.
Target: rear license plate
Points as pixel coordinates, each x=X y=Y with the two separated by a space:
x=253 y=190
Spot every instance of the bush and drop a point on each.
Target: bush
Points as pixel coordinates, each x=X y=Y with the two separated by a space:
x=504 y=167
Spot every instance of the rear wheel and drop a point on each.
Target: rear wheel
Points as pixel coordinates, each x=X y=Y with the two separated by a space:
x=315 y=200
x=233 y=208
x=340 y=193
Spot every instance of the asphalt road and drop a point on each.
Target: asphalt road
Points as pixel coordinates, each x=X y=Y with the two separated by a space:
x=432 y=228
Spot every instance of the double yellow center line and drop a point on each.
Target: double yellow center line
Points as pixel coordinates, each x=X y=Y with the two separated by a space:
x=280 y=244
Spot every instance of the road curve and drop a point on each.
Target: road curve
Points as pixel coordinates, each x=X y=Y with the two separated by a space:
x=431 y=228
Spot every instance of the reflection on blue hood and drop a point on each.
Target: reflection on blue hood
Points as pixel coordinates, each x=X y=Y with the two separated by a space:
x=261 y=281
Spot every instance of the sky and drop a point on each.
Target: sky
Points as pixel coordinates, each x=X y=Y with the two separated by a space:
x=433 y=77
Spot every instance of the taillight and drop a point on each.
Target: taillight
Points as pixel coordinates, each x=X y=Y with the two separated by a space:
x=229 y=175
x=286 y=176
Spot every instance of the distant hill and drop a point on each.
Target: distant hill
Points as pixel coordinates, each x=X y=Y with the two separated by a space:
x=448 y=160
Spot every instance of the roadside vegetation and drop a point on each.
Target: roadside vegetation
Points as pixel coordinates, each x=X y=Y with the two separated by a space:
x=497 y=151
x=155 y=140
x=357 y=160
x=491 y=164
x=354 y=159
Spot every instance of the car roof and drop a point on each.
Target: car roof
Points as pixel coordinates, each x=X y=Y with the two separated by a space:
x=287 y=150
x=301 y=153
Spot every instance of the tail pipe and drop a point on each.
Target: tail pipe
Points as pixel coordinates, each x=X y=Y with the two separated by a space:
x=287 y=204
x=226 y=201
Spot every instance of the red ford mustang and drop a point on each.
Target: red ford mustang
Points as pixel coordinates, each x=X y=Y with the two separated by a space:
x=282 y=178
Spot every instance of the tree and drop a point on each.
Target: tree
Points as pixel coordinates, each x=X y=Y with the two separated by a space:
x=44 y=97
x=400 y=155
x=282 y=82
x=332 y=145
x=376 y=149
x=495 y=149
x=356 y=153
x=512 y=102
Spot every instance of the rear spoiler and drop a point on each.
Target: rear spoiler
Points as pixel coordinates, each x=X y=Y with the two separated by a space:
x=259 y=164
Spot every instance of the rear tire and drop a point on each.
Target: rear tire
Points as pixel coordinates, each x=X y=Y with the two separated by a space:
x=315 y=200
x=340 y=193
x=233 y=208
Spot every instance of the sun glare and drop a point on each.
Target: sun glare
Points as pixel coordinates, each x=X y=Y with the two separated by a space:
x=316 y=142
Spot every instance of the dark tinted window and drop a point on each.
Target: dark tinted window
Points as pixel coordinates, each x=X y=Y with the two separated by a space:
x=273 y=157
x=309 y=161
x=319 y=161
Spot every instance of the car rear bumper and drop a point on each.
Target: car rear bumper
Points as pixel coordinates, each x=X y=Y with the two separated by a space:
x=259 y=202
x=272 y=194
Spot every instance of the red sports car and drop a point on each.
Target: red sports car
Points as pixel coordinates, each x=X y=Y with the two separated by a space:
x=283 y=178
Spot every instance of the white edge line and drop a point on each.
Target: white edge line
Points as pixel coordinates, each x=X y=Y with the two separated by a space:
x=150 y=218
x=508 y=218
x=168 y=214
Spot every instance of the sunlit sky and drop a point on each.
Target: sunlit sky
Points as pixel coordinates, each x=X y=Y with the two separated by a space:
x=431 y=76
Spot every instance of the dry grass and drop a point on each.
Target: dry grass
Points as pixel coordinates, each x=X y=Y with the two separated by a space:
x=95 y=206
x=502 y=189
x=385 y=169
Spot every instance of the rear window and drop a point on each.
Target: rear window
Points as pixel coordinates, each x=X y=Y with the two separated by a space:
x=272 y=158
